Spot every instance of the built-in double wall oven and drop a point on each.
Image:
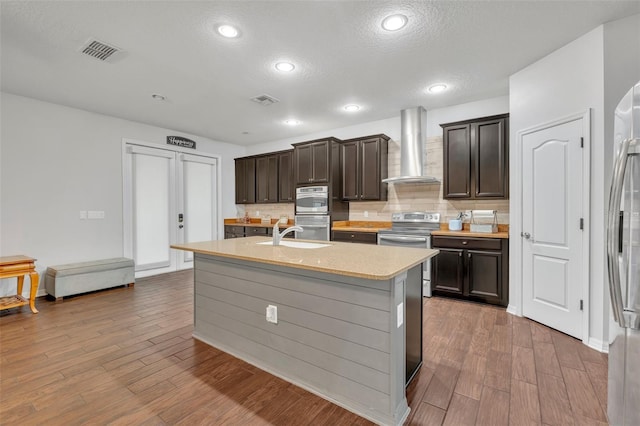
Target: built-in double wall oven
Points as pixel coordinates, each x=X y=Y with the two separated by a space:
x=312 y=213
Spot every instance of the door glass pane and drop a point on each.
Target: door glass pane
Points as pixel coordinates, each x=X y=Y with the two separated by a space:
x=199 y=187
x=151 y=180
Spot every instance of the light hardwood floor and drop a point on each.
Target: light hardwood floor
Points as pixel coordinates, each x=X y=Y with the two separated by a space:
x=126 y=356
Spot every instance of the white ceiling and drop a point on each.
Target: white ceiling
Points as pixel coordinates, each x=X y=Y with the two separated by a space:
x=341 y=53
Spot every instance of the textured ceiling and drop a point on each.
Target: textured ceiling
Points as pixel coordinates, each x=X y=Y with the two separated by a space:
x=341 y=53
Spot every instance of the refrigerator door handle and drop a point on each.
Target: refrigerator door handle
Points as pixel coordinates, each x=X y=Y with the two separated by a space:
x=613 y=236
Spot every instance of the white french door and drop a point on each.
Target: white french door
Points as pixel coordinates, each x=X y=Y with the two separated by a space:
x=169 y=198
x=553 y=255
x=197 y=181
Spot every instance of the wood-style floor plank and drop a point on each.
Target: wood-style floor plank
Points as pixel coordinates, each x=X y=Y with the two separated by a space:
x=126 y=356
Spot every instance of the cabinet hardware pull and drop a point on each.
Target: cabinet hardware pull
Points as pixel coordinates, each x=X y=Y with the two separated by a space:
x=465 y=243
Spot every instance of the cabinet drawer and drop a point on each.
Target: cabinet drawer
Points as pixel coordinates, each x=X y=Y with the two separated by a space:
x=467 y=243
x=238 y=231
x=256 y=230
x=356 y=237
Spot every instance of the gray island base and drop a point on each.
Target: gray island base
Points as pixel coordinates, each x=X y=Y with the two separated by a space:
x=338 y=334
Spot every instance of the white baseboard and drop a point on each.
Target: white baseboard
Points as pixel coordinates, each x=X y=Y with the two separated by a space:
x=598 y=345
x=511 y=309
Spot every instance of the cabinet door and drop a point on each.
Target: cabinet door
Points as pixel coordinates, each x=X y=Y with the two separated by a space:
x=285 y=177
x=303 y=158
x=321 y=162
x=267 y=179
x=489 y=159
x=272 y=179
x=448 y=272
x=262 y=174
x=370 y=180
x=350 y=170
x=245 y=181
x=457 y=162
x=484 y=271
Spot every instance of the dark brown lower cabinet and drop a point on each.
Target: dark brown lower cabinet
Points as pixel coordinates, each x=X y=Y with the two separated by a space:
x=471 y=268
x=355 y=237
x=233 y=231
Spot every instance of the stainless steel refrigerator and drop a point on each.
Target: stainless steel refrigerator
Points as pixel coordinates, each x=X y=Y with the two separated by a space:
x=623 y=253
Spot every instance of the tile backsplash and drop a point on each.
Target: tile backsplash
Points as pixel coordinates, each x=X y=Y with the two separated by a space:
x=422 y=196
x=403 y=197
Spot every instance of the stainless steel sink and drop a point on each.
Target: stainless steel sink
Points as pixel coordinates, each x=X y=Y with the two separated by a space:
x=296 y=244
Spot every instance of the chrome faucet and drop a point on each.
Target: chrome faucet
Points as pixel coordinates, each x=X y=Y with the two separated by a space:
x=277 y=236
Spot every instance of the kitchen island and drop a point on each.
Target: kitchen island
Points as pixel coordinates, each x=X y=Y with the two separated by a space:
x=338 y=315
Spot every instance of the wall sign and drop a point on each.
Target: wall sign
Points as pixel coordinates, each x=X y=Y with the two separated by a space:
x=180 y=141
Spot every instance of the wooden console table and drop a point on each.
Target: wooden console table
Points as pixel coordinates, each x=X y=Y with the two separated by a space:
x=19 y=266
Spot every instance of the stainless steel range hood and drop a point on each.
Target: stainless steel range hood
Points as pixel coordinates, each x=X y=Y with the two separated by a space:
x=413 y=134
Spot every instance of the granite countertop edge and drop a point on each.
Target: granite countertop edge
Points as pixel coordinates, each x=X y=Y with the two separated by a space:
x=382 y=262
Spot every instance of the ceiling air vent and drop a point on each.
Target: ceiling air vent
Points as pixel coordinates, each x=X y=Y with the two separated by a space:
x=265 y=100
x=99 y=50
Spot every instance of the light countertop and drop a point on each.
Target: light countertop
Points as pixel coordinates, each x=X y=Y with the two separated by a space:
x=256 y=223
x=360 y=226
x=355 y=260
x=503 y=232
x=469 y=234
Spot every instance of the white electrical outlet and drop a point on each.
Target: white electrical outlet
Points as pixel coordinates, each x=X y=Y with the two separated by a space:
x=272 y=314
x=366 y=213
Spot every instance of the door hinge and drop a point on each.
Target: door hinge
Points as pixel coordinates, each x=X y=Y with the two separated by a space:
x=581 y=305
x=581 y=224
x=581 y=142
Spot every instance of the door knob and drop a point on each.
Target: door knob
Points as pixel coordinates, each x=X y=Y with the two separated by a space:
x=525 y=234
x=181 y=226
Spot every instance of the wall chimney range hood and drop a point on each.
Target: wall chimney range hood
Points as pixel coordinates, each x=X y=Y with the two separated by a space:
x=413 y=134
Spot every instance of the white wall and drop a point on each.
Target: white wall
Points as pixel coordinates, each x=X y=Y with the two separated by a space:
x=591 y=72
x=57 y=161
x=391 y=126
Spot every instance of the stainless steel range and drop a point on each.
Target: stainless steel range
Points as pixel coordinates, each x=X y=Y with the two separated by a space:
x=412 y=229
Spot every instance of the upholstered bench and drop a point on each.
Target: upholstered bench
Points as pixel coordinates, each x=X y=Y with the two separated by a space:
x=77 y=278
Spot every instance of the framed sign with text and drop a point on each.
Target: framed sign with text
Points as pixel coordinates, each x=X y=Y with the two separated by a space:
x=180 y=141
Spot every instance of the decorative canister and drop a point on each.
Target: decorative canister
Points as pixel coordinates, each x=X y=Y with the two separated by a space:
x=455 y=224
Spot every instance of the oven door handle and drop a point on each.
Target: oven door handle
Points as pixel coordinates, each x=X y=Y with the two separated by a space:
x=404 y=239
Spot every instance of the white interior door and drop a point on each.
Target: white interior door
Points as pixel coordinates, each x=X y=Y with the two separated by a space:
x=197 y=218
x=552 y=239
x=169 y=198
x=152 y=208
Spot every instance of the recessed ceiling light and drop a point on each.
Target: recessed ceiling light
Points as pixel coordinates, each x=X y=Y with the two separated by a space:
x=291 y=122
x=352 y=108
x=158 y=97
x=437 y=88
x=394 y=22
x=228 y=31
x=285 y=66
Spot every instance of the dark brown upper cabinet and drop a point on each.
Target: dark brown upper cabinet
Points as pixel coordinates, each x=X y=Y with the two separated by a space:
x=476 y=158
x=267 y=179
x=364 y=164
x=245 y=180
x=286 y=187
x=312 y=161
